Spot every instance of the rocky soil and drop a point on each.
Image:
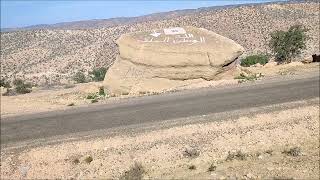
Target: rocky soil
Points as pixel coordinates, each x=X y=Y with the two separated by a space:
x=281 y=144
x=53 y=56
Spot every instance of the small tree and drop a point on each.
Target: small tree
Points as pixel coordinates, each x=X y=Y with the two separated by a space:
x=21 y=87
x=98 y=74
x=287 y=44
x=79 y=77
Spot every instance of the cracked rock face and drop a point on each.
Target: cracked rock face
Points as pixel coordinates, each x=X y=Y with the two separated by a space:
x=167 y=58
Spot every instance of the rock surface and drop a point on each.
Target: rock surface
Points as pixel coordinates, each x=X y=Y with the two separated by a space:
x=158 y=60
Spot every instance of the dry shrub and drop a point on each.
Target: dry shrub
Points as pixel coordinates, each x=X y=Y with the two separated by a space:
x=134 y=173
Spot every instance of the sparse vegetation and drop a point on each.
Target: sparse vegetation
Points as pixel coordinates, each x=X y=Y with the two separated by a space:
x=98 y=74
x=101 y=91
x=270 y=152
x=285 y=45
x=96 y=96
x=124 y=93
x=142 y=92
x=22 y=87
x=192 y=167
x=94 y=100
x=76 y=161
x=243 y=77
x=92 y=96
x=239 y=155
x=212 y=167
x=296 y=151
x=4 y=83
x=254 y=59
x=88 y=159
x=134 y=173
x=191 y=152
x=79 y=77
x=258 y=154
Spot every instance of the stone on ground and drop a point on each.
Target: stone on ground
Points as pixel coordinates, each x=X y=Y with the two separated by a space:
x=169 y=58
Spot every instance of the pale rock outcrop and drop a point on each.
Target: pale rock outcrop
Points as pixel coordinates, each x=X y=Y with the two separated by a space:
x=165 y=59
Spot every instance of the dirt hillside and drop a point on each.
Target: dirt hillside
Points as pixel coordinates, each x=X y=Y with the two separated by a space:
x=54 y=56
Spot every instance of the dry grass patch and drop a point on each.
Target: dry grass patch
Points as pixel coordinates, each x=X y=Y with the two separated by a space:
x=296 y=151
x=134 y=173
x=238 y=155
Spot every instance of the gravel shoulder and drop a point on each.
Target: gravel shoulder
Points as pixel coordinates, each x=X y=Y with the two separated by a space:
x=280 y=141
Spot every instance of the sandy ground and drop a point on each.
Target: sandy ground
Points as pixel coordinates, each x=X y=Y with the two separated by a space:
x=46 y=100
x=57 y=99
x=278 y=144
x=293 y=68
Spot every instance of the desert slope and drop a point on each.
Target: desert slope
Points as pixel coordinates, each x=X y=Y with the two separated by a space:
x=52 y=56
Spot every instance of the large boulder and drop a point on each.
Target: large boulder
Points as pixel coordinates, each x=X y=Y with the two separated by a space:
x=168 y=58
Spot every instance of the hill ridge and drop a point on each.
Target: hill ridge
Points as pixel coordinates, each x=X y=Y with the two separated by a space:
x=53 y=56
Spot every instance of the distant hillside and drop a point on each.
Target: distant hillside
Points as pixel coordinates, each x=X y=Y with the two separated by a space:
x=54 y=55
x=103 y=23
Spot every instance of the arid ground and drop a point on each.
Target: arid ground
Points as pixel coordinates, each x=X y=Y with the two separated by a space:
x=278 y=143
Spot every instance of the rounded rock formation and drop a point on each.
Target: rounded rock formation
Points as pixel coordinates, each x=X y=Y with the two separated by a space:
x=168 y=58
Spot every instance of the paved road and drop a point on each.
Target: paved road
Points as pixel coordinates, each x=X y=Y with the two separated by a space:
x=155 y=108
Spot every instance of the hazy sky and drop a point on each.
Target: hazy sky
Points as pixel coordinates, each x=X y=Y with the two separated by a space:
x=25 y=13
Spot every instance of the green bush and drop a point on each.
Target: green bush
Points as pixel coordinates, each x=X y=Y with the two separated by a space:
x=92 y=96
x=254 y=59
x=287 y=44
x=5 y=83
x=98 y=74
x=79 y=77
x=94 y=100
x=101 y=91
x=248 y=77
x=21 y=87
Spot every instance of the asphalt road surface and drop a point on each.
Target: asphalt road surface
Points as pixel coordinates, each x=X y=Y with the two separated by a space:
x=155 y=108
